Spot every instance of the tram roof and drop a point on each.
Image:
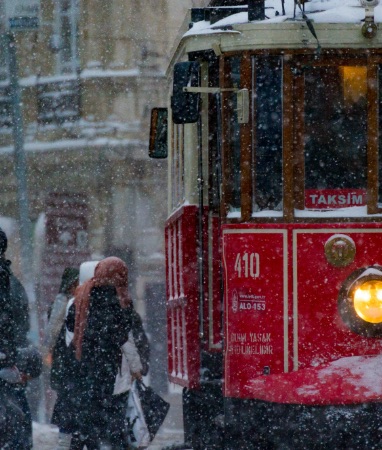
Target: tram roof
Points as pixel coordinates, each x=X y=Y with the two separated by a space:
x=319 y=11
x=337 y=24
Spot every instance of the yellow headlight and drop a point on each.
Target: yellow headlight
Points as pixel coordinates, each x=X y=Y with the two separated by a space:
x=368 y=301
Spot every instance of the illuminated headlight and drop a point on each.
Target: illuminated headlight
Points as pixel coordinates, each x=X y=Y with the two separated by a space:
x=360 y=301
x=368 y=301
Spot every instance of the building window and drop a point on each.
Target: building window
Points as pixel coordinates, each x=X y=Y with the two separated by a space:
x=3 y=59
x=5 y=108
x=65 y=39
x=58 y=102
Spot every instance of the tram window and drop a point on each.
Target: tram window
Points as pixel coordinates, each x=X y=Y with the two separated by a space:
x=177 y=166
x=380 y=136
x=335 y=127
x=214 y=133
x=233 y=136
x=267 y=149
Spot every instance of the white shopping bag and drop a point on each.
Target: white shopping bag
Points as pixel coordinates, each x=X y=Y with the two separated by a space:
x=138 y=434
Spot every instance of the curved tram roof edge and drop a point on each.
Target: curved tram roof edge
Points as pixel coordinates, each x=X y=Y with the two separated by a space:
x=285 y=35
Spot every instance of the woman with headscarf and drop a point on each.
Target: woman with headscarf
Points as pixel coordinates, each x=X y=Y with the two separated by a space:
x=108 y=360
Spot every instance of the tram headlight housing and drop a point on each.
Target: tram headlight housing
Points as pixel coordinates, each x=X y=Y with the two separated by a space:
x=360 y=301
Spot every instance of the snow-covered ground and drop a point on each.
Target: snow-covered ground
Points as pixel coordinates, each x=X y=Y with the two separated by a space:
x=171 y=432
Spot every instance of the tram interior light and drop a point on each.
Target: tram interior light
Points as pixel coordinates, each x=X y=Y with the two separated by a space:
x=354 y=84
x=367 y=299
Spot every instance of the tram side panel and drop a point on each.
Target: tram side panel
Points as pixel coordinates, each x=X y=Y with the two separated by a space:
x=190 y=356
x=182 y=298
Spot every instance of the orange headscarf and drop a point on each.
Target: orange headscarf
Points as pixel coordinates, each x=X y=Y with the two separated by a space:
x=110 y=271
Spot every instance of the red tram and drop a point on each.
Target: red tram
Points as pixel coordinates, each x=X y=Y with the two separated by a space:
x=273 y=135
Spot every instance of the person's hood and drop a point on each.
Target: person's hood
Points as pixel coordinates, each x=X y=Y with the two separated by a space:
x=87 y=269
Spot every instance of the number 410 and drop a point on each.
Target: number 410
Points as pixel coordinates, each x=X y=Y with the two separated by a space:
x=249 y=264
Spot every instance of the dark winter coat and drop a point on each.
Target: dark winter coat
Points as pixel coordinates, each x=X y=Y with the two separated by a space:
x=14 y=326
x=7 y=322
x=12 y=417
x=108 y=327
x=64 y=379
x=20 y=311
x=18 y=304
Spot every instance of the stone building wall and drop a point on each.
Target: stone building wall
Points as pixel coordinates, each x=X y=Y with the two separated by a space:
x=123 y=50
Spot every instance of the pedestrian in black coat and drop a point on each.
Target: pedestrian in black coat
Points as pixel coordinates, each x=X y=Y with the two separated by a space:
x=101 y=341
x=14 y=326
x=63 y=370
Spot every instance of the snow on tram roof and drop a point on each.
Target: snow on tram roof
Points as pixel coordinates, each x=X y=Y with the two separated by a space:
x=319 y=11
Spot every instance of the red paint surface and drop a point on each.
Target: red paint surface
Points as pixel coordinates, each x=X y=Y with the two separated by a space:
x=182 y=298
x=254 y=303
x=311 y=334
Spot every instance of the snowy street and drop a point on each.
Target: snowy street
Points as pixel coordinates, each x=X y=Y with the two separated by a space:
x=171 y=432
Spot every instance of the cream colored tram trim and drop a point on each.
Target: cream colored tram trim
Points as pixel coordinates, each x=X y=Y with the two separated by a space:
x=211 y=342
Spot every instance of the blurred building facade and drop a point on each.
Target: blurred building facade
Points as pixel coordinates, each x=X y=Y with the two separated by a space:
x=89 y=77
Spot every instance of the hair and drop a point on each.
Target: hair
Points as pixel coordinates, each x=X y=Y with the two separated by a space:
x=69 y=278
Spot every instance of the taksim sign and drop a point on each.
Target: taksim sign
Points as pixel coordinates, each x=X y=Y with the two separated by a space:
x=22 y=14
x=334 y=198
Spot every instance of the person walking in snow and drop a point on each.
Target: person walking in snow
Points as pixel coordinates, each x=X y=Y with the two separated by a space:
x=14 y=325
x=58 y=357
x=108 y=360
x=18 y=297
x=65 y=370
x=56 y=320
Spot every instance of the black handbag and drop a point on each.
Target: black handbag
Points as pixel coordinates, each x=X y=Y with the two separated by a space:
x=154 y=407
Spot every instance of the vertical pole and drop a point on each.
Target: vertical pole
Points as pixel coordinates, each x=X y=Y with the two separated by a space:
x=200 y=230
x=23 y=204
x=22 y=187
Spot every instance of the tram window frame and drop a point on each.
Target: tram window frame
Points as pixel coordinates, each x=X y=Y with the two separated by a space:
x=341 y=139
x=266 y=69
x=371 y=167
x=293 y=127
x=375 y=156
x=232 y=191
x=177 y=165
x=214 y=128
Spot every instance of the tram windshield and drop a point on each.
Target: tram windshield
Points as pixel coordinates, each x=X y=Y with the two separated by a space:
x=335 y=129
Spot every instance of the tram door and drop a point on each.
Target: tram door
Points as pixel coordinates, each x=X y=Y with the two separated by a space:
x=211 y=148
